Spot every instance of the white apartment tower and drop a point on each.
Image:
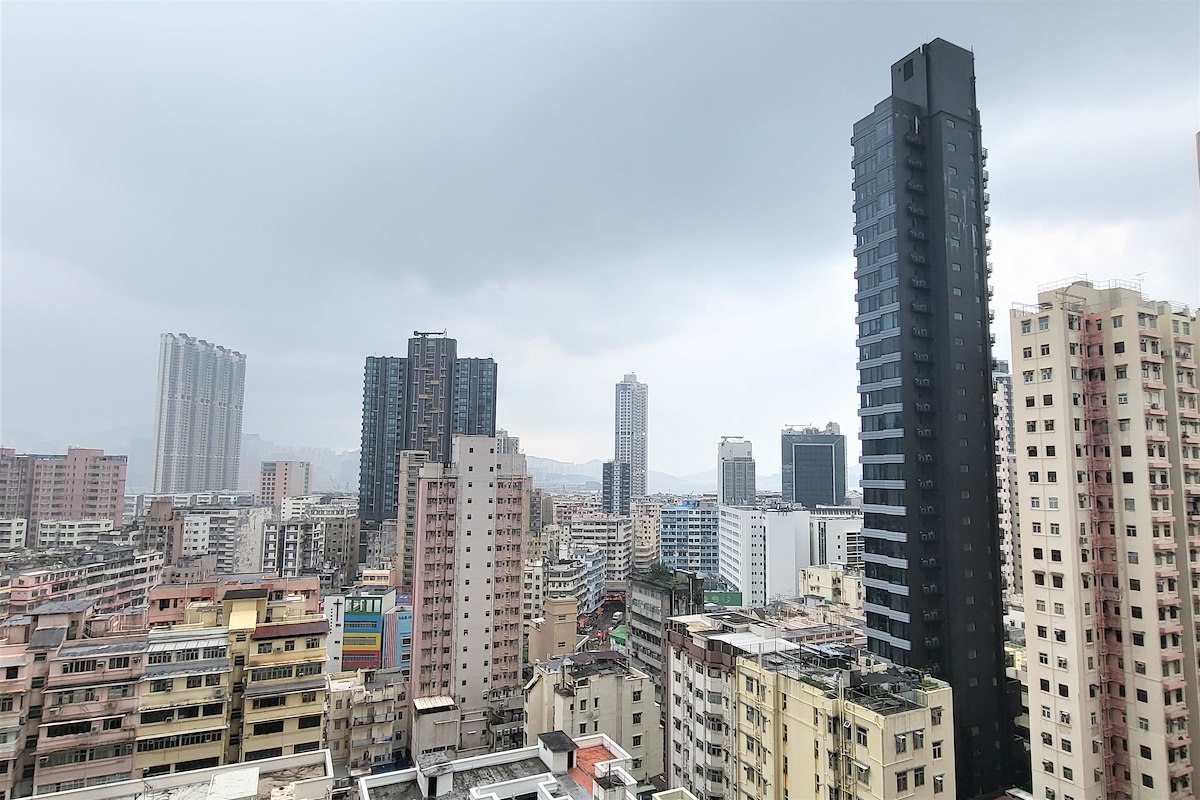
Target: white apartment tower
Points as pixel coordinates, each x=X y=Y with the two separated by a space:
x=1006 y=478
x=1108 y=451
x=631 y=419
x=735 y=472
x=198 y=418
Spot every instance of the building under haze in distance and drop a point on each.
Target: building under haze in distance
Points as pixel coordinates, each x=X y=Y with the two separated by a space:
x=1108 y=473
x=735 y=472
x=814 y=466
x=632 y=410
x=83 y=484
x=198 y=419
x=280 y=479
x=932 y=571
x=418 y=403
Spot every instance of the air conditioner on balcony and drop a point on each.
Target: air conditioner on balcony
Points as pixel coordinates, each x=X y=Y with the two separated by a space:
x=52 y=712
x=219 y=691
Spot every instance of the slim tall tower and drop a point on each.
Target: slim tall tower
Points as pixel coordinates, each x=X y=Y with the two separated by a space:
x=1108 y=452
x=198 y=418
x=932 y=570
x=467 y=640
x=735 y=472
x=631 y=420
x=1006 y=484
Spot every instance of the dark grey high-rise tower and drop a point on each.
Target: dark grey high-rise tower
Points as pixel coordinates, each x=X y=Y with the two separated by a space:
x=932 y=571
x=814 y=466
x=418 y=403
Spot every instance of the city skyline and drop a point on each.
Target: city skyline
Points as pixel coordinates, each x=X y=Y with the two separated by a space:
x=752 y=221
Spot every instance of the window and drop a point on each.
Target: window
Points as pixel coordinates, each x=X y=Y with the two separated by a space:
x=937 y=749
x=939 y=784
x=902 y=781
x=637 y=741
x=1118 y=347
x=1026 y=327
x=901 y=743
x=1044 y=325
x=919 y=776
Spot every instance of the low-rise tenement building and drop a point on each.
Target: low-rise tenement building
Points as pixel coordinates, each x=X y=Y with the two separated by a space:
x=60 y=533
x=110 y=578
x=366 y=726
x=169 y=602
x=817 y=722
x=557 y=767
x=835 y=585
x=13 y=533
x=598 y=692
x=308 y=776
x=293 y=547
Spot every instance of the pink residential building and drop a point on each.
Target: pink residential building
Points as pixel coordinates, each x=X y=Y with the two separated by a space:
x=280 y=479
x=471 y=517
x=83 y=484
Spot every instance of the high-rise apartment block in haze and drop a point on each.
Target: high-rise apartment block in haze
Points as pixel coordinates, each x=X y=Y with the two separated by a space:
x=83 y=484
x=814 y=466
x=632 y=409
x=418 y=403
x=932 y=570
x=280 y=479
x=735 y=472
x=198 y=419
x=1108 y=453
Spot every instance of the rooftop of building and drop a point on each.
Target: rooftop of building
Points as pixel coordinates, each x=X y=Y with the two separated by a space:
x=517 y=773
x=589 y=663
x=61 y=607
x=268 y=779
x=877 y=687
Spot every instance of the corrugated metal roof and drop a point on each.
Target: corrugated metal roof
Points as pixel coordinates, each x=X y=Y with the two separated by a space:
x=442 y=703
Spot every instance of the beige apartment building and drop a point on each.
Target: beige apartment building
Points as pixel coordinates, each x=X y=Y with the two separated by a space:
x=1108 y=450
x=827 y=727
x=834 y=584
x=553 y=632
x=280 y=479
x=597 y=692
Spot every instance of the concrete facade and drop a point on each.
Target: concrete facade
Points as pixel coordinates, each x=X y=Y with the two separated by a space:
x=467 y=625
x=198 y=415
x=735 y=472
x=631 y=436
x=82 y=484
x=280 y=479
x=1107 y=419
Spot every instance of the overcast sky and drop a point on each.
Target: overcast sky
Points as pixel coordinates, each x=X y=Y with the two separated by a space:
x=577 y=189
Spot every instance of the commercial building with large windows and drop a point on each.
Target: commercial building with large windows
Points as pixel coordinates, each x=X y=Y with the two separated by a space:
x=931 y=561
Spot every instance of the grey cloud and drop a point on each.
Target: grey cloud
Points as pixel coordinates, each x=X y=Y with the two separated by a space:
x=310 y=182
